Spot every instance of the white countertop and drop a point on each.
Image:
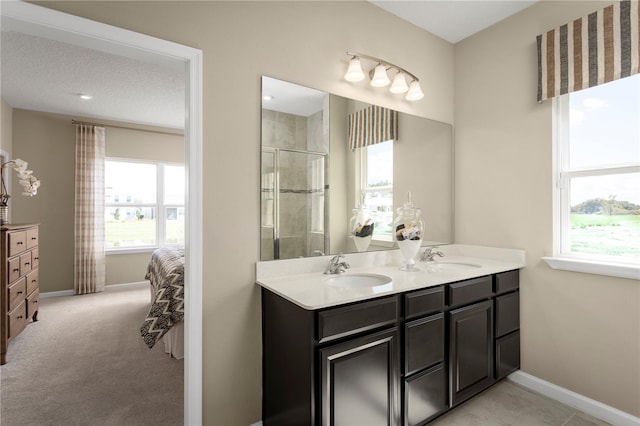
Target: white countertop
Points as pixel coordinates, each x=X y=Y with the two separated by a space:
x=303 y=282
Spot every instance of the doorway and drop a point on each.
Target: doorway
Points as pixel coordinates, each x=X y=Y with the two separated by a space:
x=53 y=24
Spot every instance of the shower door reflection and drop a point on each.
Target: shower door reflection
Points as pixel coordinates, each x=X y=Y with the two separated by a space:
x=293 y=204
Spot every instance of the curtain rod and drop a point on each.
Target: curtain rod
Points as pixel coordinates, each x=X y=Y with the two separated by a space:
x=124 y=127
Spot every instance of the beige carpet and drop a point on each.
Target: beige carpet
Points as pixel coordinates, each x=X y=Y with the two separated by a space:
x=85 y=363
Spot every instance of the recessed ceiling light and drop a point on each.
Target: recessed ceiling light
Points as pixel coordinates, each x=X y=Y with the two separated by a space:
x=85 y=97
x=267 y=97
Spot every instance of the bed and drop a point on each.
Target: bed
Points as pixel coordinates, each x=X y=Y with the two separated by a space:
x=164 y=320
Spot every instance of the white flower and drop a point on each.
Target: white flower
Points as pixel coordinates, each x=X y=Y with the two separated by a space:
x=19 y=165
x=24 y=174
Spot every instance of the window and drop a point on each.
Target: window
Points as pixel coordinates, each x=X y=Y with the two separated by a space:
x=598 y=174
x=144 y=204
x=376 y=186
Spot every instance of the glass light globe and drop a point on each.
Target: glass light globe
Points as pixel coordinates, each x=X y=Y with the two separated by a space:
x=380 y=77
x=399 y=84
x=354 y=72
x=414 y=93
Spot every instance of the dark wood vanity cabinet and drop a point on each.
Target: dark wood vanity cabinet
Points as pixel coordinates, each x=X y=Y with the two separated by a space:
x=470 y=350
x=402 y=359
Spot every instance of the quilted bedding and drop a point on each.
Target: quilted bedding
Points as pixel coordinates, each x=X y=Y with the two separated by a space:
x=166 y=273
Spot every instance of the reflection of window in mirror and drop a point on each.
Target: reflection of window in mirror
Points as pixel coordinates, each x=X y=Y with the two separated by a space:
x=375 y=186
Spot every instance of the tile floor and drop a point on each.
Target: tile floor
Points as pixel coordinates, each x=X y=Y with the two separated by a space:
x=509 y=404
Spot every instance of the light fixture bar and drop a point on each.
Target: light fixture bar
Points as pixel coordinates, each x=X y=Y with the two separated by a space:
x=388 y=64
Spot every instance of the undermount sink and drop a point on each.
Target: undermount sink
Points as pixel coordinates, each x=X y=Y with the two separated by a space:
x=450 y=266
x=359 y=280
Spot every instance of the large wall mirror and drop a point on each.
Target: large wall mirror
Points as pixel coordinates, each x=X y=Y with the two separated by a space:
x=314 y=187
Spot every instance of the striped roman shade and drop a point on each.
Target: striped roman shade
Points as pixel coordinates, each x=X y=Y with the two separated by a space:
x=592 y=50
x=372 y=125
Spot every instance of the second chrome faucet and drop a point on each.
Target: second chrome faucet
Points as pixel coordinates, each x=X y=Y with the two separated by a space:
x=337 y=265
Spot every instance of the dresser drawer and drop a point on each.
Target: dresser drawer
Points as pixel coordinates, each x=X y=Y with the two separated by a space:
x=32 y=237
x=424 y=302
x=464 y=292
x=32 y=281
x=507 y=281
x=352 y=319
x=35 y=258
x=17 y=293
x=25 y=263
x=18 y=319
x=33 y=301
x=13 y=268
x=17 y=242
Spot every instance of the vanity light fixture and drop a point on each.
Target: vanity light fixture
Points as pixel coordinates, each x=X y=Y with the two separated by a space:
x=85 y=97
x=380 y=77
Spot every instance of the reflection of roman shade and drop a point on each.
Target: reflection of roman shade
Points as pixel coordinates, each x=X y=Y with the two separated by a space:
x=595 y=49
x=372 y=125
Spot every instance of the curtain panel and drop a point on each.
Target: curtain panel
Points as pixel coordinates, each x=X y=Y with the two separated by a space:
x=89 y=256
x=595 y=49
x=372 y=125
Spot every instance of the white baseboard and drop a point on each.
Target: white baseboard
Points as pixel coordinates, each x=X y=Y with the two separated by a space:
x=575 y=400
x=257 y=423
x=56 y=293
x=112 y=286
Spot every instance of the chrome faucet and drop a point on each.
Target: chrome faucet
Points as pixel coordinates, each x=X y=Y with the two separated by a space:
x=429 y=253
x=337 y=265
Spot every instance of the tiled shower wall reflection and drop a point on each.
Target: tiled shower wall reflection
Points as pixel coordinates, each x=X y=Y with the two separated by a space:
x=301 y=179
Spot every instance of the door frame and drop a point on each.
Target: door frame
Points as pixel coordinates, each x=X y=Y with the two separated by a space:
x=62 y=26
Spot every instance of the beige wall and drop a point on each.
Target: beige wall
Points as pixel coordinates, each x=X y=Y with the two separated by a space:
x=47 y=142
x=6 y=126
x=578 y=331
x=303 y=42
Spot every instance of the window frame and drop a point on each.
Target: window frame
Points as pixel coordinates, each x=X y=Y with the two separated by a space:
x=562 y=258
x=159 y=205
x=362 y=188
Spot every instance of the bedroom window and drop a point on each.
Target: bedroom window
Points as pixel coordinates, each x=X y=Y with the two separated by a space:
x=144 y=204
x=598 y=174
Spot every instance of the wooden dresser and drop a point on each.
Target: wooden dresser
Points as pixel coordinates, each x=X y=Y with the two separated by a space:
x=19 y=280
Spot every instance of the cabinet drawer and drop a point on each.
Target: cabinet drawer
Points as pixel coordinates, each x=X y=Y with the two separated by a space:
x=507 y=313
x=32 y=237
x=425 y=395
x=17 y=293
x=32 y=281
x=470 y=291
x=424 y=302
x=17 y=242
x=424 y=343
x=348 y=320
x=33 y=301
x=507 y=281
x=18 y=319
x=13 y=269
x=25 y=263
x=35 y=258
x=507 y=354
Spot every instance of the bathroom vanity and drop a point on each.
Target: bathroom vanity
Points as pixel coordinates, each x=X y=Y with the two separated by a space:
x=398 y=353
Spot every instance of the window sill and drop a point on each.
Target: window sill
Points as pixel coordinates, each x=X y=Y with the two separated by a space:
x=129 y=250
x=594 y=267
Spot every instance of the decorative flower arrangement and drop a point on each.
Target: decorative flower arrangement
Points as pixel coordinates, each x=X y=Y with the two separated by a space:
x=28 y=181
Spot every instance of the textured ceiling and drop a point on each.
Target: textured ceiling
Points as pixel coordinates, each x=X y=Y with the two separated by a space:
x=47 y=75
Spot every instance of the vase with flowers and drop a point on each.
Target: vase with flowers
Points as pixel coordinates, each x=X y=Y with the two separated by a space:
x=27 y=180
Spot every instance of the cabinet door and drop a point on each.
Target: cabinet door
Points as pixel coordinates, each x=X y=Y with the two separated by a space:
x=360 y=380
x=425 y=395
x=471 y=350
